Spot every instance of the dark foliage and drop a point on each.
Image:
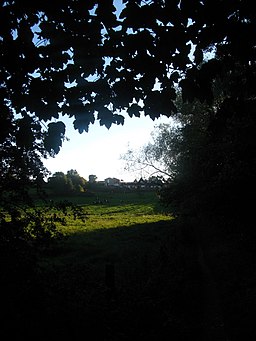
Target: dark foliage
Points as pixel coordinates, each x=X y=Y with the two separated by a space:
x=66 y=184
x=80 y=59
x=215 y=160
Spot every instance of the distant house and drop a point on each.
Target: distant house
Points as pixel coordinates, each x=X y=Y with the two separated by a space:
x=112 y=182
x=130 y=185
x=92 y=178
x=142 y=183
x=152 y=183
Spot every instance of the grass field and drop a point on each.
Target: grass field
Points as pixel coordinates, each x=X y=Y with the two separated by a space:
x=105 y=265
x=125 y=223
x=131 y=272
x=113 y=210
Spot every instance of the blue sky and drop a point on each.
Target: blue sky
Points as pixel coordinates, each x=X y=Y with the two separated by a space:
x=98 y=151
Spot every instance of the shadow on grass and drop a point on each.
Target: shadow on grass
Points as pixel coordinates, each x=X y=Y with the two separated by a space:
x=114 y=284
x=127 y=283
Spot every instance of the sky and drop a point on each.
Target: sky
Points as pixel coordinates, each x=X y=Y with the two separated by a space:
x=98 y=151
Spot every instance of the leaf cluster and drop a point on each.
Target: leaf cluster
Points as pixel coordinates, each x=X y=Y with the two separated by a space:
x=84 y=60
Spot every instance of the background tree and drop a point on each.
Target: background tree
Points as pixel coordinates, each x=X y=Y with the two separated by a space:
x=60 y=184
x=66 y=184
x=78 y=181
x=215 y=168
x=158 y=156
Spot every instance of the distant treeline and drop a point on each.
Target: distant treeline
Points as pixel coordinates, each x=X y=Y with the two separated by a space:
x=72 y=183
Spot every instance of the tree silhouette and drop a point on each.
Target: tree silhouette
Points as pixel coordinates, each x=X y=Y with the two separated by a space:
x=81 y=59
x=66 y=184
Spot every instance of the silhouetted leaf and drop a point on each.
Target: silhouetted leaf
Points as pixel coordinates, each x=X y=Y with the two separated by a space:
x=156 y=105
x=54 y=137
x=106 y=117
x=83 y=118
x=105 y=11
x=118 y=119
x=25 y=135
x=198 y=54
x=134 y=110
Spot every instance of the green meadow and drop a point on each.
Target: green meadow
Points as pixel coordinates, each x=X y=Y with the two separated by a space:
x=115 y=225
x=115 y=210
x=127 y=271
x=105 y=267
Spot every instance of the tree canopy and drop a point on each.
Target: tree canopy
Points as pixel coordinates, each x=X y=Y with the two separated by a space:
x=91 y=59
x=66 y=184
x=158 y=156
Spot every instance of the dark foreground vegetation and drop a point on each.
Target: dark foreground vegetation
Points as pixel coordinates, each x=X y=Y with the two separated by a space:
x=157 y=280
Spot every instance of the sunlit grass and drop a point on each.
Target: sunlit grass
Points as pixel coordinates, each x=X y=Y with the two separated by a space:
x=138 y=209
x=112 y=230
x=103 y=217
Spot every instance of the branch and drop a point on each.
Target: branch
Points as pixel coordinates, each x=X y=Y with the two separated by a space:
x=157 y=170
x=133 y=163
